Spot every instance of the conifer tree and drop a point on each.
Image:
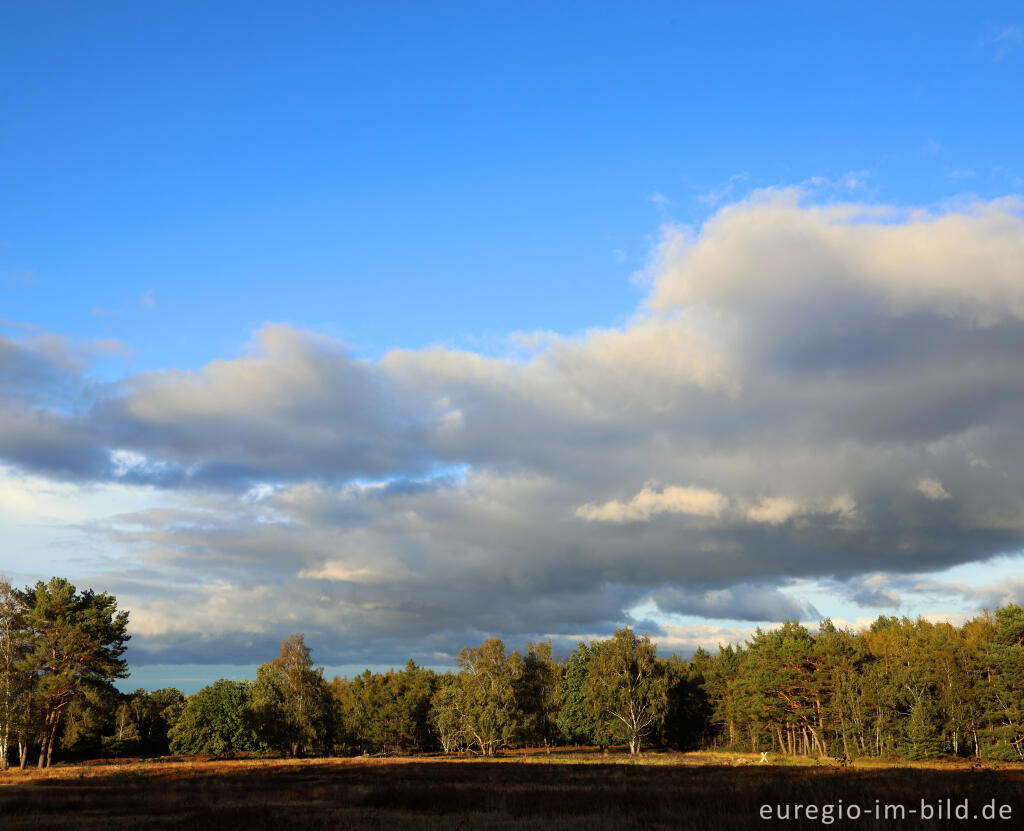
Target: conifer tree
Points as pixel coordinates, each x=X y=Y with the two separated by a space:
x=1004 y=689
x=76 y=643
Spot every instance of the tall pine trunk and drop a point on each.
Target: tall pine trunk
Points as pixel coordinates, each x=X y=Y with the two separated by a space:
x=45 y=743
x=53 y=741
x=49 y=737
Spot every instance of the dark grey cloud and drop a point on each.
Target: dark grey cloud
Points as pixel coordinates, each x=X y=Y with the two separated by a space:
x=298 y=406
x=44 y=389
x=52 y=443
x=47 y=370
x=741 y=601
x=810 y=392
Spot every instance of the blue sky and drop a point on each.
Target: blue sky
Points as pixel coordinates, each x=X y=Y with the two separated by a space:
x=433 y=172
x=311 y=186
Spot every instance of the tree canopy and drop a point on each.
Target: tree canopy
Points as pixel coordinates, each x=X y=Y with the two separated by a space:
x=73 y=646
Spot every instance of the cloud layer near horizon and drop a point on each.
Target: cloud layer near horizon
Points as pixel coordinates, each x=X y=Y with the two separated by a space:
x=808 y=392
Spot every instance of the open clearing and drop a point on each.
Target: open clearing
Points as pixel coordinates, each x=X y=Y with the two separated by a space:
x=570 y=790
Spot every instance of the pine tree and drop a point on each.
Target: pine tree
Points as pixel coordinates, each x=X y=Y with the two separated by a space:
x=578 y=721
x=538 y=691
x=1004 y=688
x=922 y=733
x=76 y=645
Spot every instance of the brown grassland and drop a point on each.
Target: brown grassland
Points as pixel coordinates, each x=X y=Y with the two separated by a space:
x=581 y=790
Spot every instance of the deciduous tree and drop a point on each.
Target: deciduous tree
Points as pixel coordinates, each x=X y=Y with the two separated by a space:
x=292 y=700
x=627 y=684
x=491 y=716
x=15 y=687
x=218 y=719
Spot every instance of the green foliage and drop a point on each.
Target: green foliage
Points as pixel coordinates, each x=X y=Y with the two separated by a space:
x=446 y=714
x=78 y=639
x=1004 y=687
x=539 y=696
x=152 y=714
x=491 y=717
x=116 y=724
x=292 y=704
x=219 y=719
x=15 y=680
x=627 y=687
x=923 y=740
x=386 y=712
x=687 y=709
x=76 y=643
x=138 y=722
x=780 y=686
x=721 y=680
x=902 y=688
x=577 y=720
x=84 y=724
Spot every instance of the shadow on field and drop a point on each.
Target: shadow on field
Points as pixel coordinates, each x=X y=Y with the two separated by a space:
x=491 y=795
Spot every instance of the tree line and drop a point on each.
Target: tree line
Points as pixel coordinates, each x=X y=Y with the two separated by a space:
x=900 y=689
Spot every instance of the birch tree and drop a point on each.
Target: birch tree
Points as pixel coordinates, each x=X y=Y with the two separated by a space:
x=491 y=717
x=292 y=700
x=14 y=688
x=446 y=714
x=627 y=683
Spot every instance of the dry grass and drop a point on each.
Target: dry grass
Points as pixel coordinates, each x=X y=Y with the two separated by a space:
x=585 y=790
